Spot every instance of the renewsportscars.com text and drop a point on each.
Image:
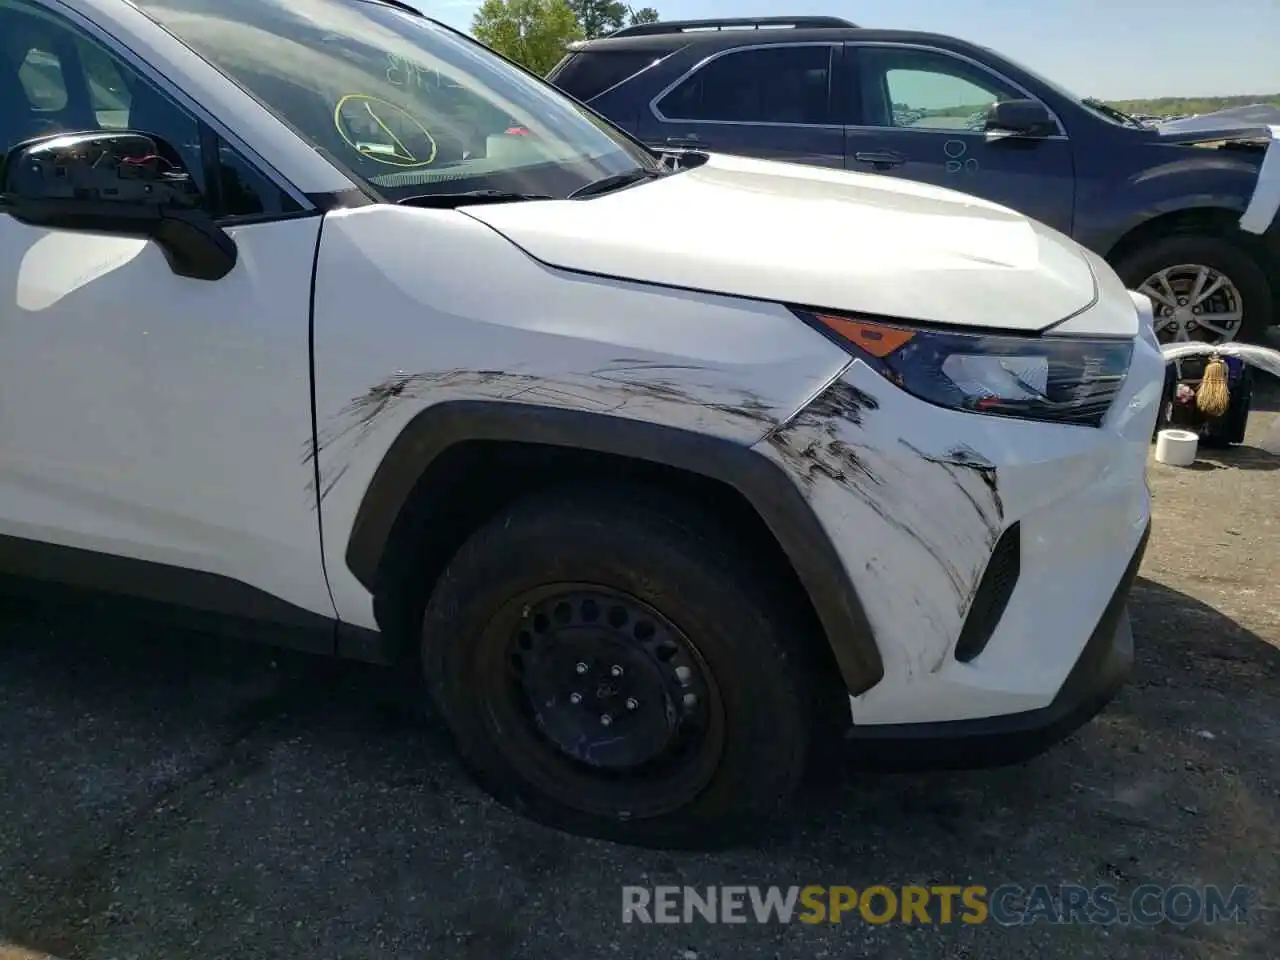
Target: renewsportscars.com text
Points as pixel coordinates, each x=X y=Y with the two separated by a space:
x=1006 y=905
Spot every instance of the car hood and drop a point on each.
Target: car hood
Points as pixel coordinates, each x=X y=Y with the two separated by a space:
x=1234 y=123
x=814 y=237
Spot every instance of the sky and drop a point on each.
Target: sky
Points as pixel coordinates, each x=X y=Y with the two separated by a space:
x=1114 y=49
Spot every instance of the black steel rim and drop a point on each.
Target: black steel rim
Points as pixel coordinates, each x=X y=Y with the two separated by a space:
x=601 y=700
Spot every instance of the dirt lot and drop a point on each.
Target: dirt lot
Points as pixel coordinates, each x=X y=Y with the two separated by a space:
x=171 y=796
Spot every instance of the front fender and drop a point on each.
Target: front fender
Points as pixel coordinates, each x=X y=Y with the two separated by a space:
x=1210 y=180
x=761 y=482
x=416 y=309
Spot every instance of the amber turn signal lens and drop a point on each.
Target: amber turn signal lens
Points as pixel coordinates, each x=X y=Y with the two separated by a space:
x=873 y=338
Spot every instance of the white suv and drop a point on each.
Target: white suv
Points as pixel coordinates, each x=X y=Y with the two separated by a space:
x=319 y=315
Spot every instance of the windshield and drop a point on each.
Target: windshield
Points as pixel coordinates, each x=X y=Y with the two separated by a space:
x=1110 y=114
x=405 y=105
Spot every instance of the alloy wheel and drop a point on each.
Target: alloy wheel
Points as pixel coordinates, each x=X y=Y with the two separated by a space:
x=1194 y=302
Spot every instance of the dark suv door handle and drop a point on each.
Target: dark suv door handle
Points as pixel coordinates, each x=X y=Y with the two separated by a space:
x=881 y=160
x=689 y=140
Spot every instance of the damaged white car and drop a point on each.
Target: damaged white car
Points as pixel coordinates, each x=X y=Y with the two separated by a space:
x=322 y=317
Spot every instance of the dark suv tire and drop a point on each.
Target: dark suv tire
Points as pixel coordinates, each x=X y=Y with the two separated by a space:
x=1221 y=256
x=614 y=671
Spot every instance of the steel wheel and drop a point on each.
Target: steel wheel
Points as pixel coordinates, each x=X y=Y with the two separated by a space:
x=610 y=663
x=599 y=693
x=1194 y=302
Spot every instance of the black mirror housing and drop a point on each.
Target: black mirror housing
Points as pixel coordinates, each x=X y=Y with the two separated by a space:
x=1021 y=118
x=116 y=182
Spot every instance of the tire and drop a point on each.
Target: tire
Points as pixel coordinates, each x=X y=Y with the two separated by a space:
x=1219 y=254
x=753 y=719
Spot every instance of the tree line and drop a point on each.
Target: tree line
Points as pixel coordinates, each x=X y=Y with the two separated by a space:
x=1185 y=106
x=535 y=33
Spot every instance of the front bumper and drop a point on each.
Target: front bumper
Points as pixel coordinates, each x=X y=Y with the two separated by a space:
x=926 y=507
x=1101 y=670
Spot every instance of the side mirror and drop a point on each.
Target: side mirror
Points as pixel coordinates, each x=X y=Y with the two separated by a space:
x=116 y=182
x=1020 y=118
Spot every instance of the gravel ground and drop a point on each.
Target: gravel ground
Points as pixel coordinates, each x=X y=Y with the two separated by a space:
x=173 y=795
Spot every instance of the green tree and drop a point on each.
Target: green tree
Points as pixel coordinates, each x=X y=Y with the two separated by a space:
x=599 y=17
x=534 y=33
x=644 y=15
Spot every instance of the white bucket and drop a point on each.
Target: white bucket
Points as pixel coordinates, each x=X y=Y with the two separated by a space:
x=1271 y=442
x=1177 y=447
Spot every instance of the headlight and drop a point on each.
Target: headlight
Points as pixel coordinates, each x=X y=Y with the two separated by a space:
x=1059 y=379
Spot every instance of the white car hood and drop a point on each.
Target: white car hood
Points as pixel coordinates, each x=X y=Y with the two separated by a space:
x=859 y=243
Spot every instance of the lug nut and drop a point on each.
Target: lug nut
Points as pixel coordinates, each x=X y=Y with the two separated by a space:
x=632 y=703
x=690 y=699
x=605 y=720
x=615 y=671
x=575 y=698
x=581 y=668
x=683 y=674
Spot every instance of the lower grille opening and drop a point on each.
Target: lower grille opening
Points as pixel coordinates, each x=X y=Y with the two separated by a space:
x=994 y=591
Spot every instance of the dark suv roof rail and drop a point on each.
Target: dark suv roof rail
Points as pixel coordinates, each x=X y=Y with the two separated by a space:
x=731 y=23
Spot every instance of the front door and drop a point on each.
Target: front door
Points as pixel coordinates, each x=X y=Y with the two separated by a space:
x=144 y=415
x=918 y=112
x=775 y=102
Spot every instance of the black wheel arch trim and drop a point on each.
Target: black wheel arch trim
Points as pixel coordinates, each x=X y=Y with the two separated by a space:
x=764 y=485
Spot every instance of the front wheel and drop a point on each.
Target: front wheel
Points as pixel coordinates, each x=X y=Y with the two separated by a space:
x=1202 y=288
x=614 y=671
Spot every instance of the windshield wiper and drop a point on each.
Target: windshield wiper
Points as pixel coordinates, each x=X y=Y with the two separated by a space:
x=615 y=182
x=447 y=201
x=1112 y=112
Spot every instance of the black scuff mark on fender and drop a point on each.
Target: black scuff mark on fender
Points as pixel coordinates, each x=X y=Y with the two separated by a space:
x=606 y=390
x=842 y=400
x=825 y=454
x=967 y=456
x=813 y=445
x=964 y=458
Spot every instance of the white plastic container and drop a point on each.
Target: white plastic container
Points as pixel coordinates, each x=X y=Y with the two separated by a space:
x=1271 y=442
x=1177 y=447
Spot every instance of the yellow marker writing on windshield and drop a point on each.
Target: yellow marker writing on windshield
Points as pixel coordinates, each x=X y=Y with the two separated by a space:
x=394 y=154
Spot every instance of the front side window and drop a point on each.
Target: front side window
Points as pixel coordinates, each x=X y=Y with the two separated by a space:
x=108 y=91
x=782 y=84
x=54 y=79
x=921 y=89
x=406 y=106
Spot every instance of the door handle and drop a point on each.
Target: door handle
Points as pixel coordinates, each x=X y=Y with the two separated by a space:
x=688 y=140
x=881 y=160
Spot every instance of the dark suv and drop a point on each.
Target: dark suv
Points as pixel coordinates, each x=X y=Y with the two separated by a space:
x=1177 y=211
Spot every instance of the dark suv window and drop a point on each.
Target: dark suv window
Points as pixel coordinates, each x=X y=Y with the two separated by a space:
x=925 y=90
x=763 y=85
x=588 y=74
